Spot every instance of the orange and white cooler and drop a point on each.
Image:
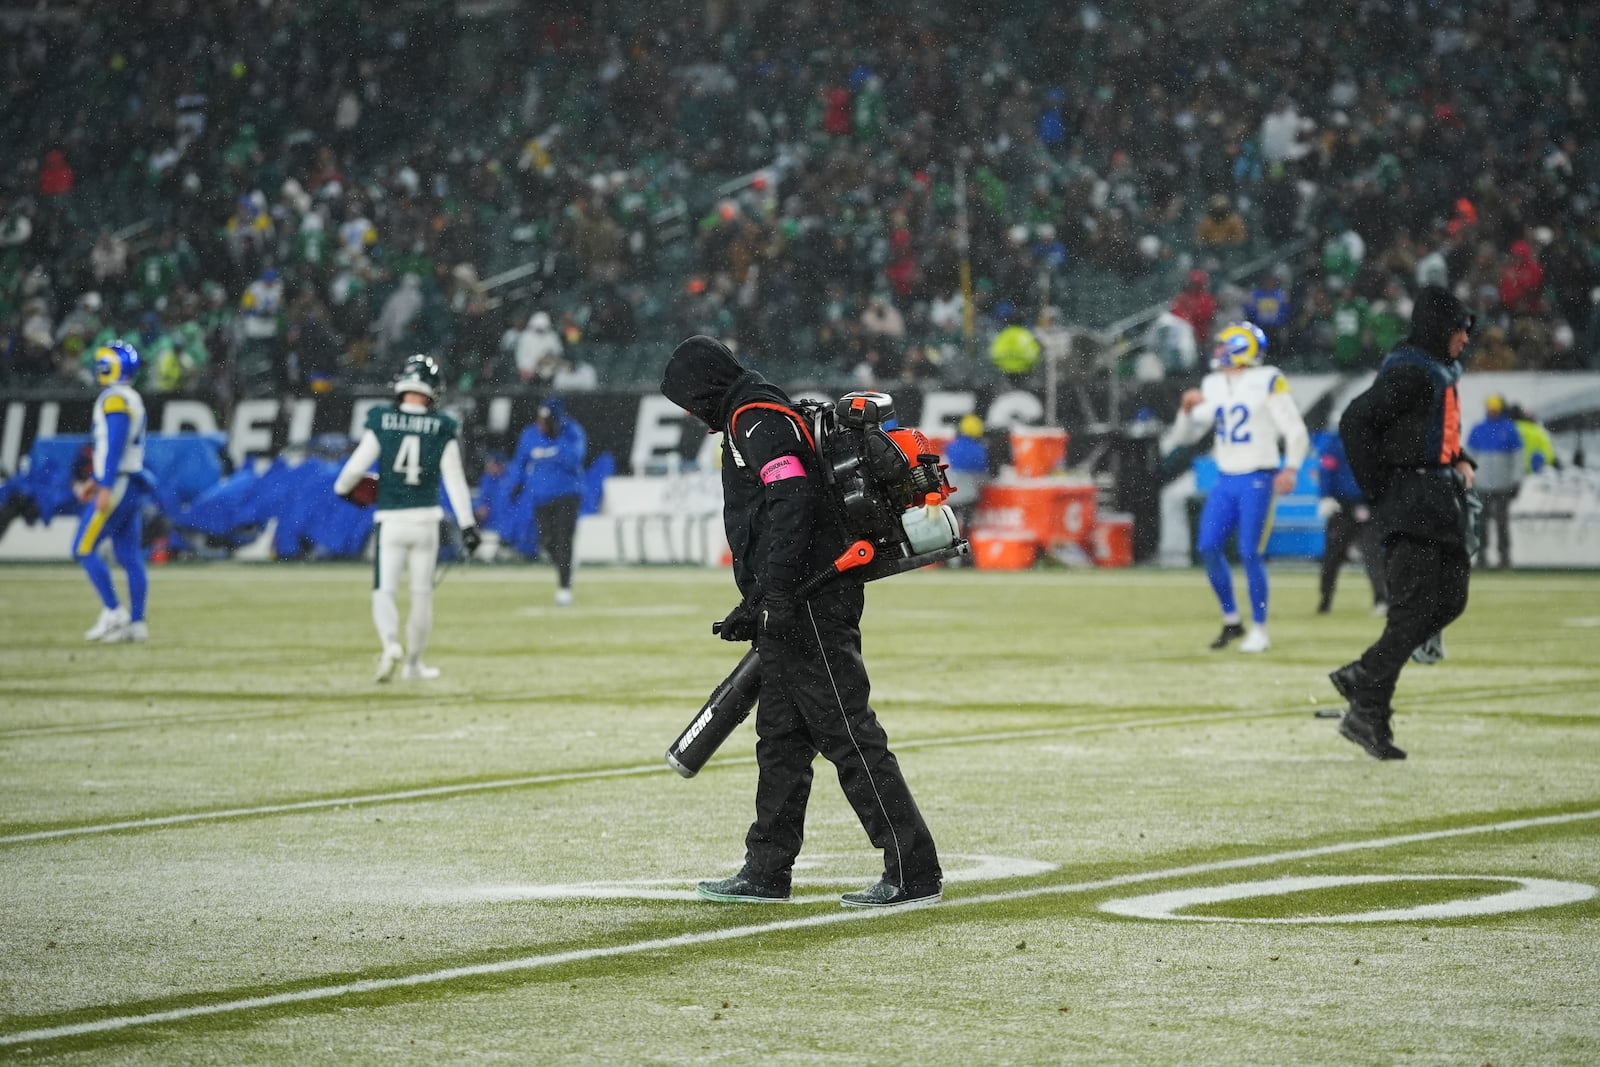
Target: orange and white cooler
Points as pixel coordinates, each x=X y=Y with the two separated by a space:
x=1002 y=550
x=1113 y=539
x=1051 y=510
x=1038 y=451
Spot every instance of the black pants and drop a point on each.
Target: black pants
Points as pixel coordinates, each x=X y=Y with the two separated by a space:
x=1343 y=530
x=1496 y=513
x=814 y=693
x=558 y=528
x=1427 y=591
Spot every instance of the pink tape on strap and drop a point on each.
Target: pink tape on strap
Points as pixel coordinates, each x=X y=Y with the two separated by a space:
x=781 y=468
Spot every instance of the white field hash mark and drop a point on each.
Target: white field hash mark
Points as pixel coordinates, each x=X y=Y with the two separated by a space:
x=733 y=933
x=1528 y=894
x=555 y=778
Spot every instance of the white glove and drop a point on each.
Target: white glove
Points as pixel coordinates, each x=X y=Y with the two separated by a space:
x=1327 y=508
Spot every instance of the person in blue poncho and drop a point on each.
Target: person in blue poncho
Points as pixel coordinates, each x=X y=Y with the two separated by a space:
x=549 y=461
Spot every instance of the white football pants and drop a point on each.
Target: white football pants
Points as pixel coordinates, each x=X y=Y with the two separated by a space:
x=405 y=541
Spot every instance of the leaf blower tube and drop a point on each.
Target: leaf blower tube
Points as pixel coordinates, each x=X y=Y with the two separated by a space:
x=730 y=703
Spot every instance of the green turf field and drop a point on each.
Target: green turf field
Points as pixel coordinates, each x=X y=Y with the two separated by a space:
x=229 y=846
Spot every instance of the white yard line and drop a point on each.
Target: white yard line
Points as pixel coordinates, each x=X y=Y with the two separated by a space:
x=320 y=805
x=161 y=722
x=732 y=933
x=190 y=818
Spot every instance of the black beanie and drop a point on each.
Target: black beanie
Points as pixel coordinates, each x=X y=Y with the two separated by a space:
x=1435 y=317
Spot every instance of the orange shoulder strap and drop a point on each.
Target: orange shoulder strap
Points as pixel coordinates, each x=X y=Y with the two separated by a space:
x=795 y=415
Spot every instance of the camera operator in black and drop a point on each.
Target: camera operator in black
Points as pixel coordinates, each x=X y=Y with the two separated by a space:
x=1403 y=440
x=814 y=685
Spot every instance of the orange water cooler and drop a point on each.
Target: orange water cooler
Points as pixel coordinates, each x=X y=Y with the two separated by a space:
x=1051 y=510
x=1038 y=451
x=1002 y=550
x=1113 y=539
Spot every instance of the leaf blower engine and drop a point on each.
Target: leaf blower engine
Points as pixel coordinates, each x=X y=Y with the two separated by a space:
x=888 y=486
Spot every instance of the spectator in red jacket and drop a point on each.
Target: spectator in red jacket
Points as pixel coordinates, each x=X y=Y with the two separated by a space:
x=1196 y=306
x=1522 y=282
x=837 y=116
x=55 y=177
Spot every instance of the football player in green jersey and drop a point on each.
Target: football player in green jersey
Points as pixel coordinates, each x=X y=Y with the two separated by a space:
x=417 y=448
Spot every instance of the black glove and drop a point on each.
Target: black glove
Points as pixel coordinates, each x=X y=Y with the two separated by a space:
x=739 y=625
x=471 y=538
x=778 y=614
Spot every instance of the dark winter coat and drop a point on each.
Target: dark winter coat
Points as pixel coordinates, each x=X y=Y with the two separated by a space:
x=1403 y=435
x=779 y=531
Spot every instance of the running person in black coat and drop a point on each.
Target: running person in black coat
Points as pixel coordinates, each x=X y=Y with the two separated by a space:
x=814 y=686
x=1403 y=440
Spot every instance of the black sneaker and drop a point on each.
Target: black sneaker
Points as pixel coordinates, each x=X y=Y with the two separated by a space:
x=1324 y=606
x=886 y=894
x=1371 y=732
x=1346 y=680
x=738 y=889
x=1231 y=631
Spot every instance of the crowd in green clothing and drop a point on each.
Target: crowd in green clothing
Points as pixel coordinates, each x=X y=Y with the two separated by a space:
x=1077 y=144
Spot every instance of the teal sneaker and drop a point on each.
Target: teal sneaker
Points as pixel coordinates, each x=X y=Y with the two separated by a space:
x=886 y=894
x=738 y=889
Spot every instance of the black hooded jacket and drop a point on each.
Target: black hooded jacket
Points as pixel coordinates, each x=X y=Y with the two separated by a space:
x=1403 y=435
x=778 y=531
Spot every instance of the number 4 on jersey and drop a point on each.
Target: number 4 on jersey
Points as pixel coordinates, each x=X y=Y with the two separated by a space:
x=408 y=459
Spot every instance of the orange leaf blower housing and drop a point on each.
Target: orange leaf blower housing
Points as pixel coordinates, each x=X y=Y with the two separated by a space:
x=915 y=447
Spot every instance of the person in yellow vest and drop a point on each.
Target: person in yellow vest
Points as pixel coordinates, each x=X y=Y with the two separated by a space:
x=1538 y=451
x=1015 y=351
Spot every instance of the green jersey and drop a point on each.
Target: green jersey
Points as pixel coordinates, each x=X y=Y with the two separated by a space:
x=411 y=445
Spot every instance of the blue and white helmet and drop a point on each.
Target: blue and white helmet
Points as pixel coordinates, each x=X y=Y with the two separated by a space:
x=117 y=361
x=1239 y=344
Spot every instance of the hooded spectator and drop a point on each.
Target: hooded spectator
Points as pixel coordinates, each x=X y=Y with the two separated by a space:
x=1222 y=227
x=1196 y=306
x=108 y=260
x=1522 y=282
x=55 y=176
x=399 y=312
x=538 y=348
x=883 y=319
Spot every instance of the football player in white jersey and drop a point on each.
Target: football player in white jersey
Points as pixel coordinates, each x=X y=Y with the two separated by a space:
x=113 y=500
x=1249 y=409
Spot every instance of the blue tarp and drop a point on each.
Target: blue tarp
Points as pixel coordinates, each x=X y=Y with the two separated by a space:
x=182 y=466
x=191 y=492
x=312 y=520
x=48 y=479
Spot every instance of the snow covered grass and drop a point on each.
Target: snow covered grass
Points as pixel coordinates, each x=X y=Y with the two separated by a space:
x=231 y=846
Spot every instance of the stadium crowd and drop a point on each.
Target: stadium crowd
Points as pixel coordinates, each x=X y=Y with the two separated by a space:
x=295 y=195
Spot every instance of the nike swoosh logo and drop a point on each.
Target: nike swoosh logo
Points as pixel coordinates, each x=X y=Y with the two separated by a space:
x=748 y=432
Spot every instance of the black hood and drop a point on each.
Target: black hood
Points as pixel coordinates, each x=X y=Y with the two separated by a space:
x=1435 y=317
x=699 y=376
